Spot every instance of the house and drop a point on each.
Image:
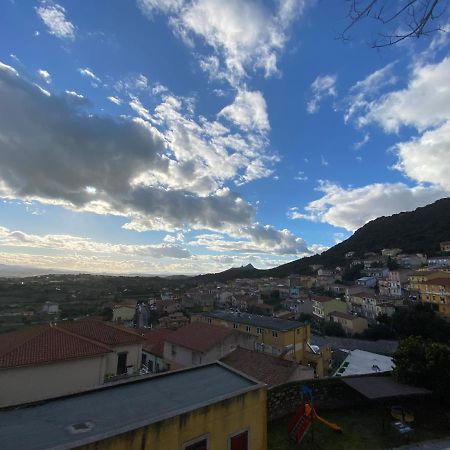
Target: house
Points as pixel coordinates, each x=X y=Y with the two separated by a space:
x=407 y=261
x=268 y=369
x=124 y=313
x=279 y=337
x=338 y=289
x=395 y=283
x=168 y=306
x=208 y=407
x=153 y=349
x=439 y=261
x=200 y=343
x=436 y=292
x=349 y=255
x=48 y=361
x=360 y=362
x=390 y=252
x=376 y=272
x=350 y=323
x=419 y=277
x=126 y=346
x=323 y=306
x=445 y=246
x=173 y=321
x=50 y=308
x=297 y=306
x=369 y=282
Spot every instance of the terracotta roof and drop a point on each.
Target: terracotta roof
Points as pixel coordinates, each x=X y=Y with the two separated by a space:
x=438 y=282
x=45 y=344
x=362 y=294
x=102 y=332
x=266 y=368
x=323 y=299
x=154 y=340
x=199 y=336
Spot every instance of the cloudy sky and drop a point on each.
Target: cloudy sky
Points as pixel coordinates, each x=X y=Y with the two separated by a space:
x=188 y=136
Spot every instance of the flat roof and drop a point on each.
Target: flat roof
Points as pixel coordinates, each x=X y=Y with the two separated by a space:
x=360 y=362
x=120 y=408
x=274 y=323
x=382 y=387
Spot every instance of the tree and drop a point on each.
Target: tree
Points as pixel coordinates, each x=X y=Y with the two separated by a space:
x=333 y=329
x=399 y=20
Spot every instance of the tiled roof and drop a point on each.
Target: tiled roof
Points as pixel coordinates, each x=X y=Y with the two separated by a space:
x=438 y=282
x=45 y=344
x=102 y=332
x=266 y=368
x=199 y=336
x=323 y=299
x=343 y=315
x=154 y=340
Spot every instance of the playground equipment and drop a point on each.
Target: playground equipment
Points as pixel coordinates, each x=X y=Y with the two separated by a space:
x=305 y=416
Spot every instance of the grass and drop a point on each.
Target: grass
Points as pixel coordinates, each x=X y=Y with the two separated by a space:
x=362 y=430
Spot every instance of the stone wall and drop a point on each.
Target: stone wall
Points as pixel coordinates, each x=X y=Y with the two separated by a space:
x=328 y=393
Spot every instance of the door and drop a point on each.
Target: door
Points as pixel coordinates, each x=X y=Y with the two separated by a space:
x=121 y=363
x=239 y=441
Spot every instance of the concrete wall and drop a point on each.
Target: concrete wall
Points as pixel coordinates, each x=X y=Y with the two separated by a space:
x=134 y=353
x=218 y=421
x=34 y=383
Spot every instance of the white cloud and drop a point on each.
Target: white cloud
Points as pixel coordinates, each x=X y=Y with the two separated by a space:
x=86 y=72
x=8 y=69
x=248 y=111
x=323 y=161
x=114 y=100
x=13 y=238
x=246 y=35
x=362 y=142
x=54 y=17
x=137 y=106
x=351 y=208
x=44 y=75
x=75 y=94
x=301 y=176
x=322 y=87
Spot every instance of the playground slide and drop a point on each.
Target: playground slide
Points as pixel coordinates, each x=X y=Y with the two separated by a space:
x=331 y=425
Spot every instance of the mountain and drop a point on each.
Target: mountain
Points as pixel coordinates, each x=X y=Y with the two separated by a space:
x=418 y=231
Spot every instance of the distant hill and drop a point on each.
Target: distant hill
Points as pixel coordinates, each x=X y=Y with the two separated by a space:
x=418 y=231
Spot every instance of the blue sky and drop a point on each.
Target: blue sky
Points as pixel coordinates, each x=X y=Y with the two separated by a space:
x=188 y=136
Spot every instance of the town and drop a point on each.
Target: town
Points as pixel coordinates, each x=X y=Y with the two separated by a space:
x=277 y=332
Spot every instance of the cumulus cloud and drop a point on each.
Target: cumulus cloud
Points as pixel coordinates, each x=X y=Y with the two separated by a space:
x=15 y=238
x=351 y=208
x=248 y=111
x=54 y=17
x=114 y=100
x=322 y=87
x=168 y=179
x=44 y=75
x=246 y=35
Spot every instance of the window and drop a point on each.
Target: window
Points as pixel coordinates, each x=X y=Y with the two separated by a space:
x=238 y=441
x=209 y=320
x=200 y=443
x=248 y=328
x=259 y=330
x=275 y=334
x=235 y=325
x=121 y=363
x=174 y=350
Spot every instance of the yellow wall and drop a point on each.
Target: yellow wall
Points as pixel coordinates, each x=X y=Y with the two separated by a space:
x=438 y=295
x=298 y=336
x=218 y=421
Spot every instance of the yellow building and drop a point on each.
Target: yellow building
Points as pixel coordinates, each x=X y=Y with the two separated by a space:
x=422 y=276
x=123 y=313
x=279 y=337
x=437 y=293
x=324 y=306
x=210 y=407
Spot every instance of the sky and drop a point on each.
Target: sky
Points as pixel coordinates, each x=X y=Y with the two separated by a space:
x=190 y=136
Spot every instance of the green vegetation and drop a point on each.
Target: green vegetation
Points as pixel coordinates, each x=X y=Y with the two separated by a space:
x=363 y=430
x=424 y=363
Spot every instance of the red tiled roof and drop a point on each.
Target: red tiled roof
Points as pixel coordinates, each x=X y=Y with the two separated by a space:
x=323 y=299
x=45 y=344
x=266 y=368
x=438 y=282
x=199 y=336
x=102 y=332
x=154 y=340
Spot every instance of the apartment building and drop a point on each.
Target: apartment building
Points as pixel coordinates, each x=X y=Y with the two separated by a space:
x=437 y=293
x=323 y=306
x=350 y=323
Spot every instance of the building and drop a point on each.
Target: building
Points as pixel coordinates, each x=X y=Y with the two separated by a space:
x=350 y=323
x=390 y=252
x=436 y=292
x=47 y=361
x=297 y=306
x=173 y=321
x=124 y=313
x=445 y=246
x=50 y=308
x=368 y=282
x=439 y=261
x=323 y=306
x=279 y=337
x=421 y=276
x=208 y=407
x=153 y=349
x=268 y=369
x=360 y=362
x=200 y=343
x=126 y=346
x=410 y=261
